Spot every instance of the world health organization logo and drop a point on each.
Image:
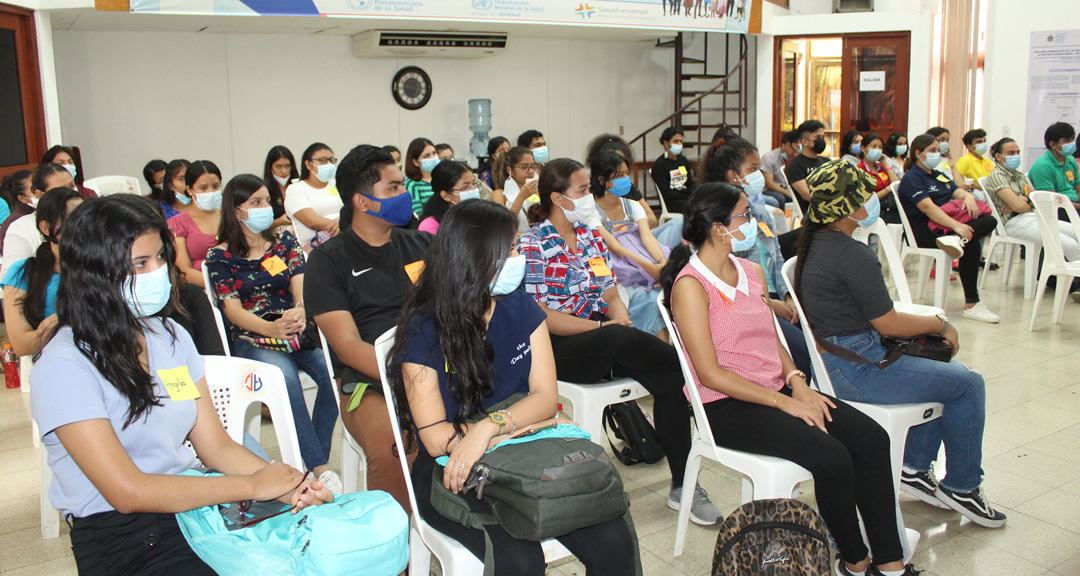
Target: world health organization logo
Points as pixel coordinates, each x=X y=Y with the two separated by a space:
x=482 y=4
x=359 y=4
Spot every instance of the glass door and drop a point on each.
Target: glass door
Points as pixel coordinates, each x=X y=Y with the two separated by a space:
x=22 y=119
x=790 y=57
x=875 y=80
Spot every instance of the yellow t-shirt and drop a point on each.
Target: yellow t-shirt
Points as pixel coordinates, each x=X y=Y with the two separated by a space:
x=974 y=168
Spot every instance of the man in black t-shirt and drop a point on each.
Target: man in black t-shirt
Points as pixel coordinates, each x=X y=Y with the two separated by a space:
x=354 y=287
x=812 y=138
x=671 y=171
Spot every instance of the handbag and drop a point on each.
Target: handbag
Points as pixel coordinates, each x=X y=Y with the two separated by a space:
x=930 y=346
x=306 y=340
x=639 y=441
x=955 y=210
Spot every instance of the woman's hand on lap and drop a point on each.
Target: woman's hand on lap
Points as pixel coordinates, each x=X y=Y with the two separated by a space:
x=466 y=453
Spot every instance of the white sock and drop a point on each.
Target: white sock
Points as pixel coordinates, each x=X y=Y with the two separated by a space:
x=891 y=572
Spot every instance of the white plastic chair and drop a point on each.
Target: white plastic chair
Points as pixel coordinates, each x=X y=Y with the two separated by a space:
x=764 y=476
x=589 y=401
x=107 y=185
x=903 y=303
x=943 y=270
x=424 y=540
x=664 y=214
x=896 y=419
x=353 y=457
x=1000 y=237
x=1047 y=205
x=796 y=210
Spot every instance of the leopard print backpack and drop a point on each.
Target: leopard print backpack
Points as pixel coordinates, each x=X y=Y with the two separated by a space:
x=781 y=537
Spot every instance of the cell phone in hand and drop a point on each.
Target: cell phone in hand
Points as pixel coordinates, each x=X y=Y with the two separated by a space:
x=530 y=432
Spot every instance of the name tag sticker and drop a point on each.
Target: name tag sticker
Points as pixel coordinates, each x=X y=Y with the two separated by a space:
x=599 y=267
x=1070 y=176
x=765 y=229
x=682 y=170
x=332 y=190
x=178 y=383
x=942 y=178
x=274 y=265
x=414 y=270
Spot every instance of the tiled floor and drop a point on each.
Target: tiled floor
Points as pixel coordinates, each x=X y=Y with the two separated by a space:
x=1031 y=460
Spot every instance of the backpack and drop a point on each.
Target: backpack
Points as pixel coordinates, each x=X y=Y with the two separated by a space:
x=639 y=440
x=781 y=537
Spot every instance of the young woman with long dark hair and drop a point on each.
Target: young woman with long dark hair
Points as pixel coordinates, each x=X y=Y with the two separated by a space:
x=279 y=171
x=496 y=147
x=258 y=277
x=420 y=159
x=171 y=197
x=515 y=182
x=756 y=399
x=65 y=156
x=113 y=430
x=196 y=225
x=312 y=202
x=453 y=183
x=469 y=339
x=154 y=174
x=19 y=235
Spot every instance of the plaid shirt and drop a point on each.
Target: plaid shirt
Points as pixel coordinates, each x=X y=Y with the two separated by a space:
x=563 y=280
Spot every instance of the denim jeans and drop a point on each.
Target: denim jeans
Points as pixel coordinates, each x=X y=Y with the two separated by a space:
x=314 y=432
x=914 y=380
x=669 y=233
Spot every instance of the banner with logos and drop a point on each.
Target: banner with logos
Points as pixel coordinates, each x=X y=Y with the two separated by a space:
x=692 y=15
x=1053 y=87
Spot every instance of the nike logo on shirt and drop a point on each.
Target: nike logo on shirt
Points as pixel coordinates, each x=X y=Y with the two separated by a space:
x=355 y=273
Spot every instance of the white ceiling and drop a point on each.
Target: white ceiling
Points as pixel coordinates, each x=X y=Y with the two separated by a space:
x=87 y=19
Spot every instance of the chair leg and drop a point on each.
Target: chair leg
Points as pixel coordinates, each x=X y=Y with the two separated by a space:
x=941 y=283
x=1060 y=296
x=1006 y=264
x=990 y=256
x=693 y=466
x=1031 y=271
x=924 y=275
x=1038 y=298
x=419 y=555
x=50 y=517
x=350 y=467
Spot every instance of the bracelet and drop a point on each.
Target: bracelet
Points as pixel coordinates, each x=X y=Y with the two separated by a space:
x=512 y=421
x=775 y=400
x=599 y=324
x=787 y=377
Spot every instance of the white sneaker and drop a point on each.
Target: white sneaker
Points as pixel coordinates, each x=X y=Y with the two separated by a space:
x=980 y=313
x=952 y=245
x=332 y=482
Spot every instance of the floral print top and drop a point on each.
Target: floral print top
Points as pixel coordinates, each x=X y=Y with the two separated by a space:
x=250 y=281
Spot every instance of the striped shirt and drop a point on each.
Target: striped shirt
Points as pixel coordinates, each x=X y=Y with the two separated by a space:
x=565 y=280
x=420 y=192
x=741 y=326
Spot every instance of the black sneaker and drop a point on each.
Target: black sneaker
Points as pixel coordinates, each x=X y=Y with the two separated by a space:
x=921 y=485
x=972 y=505
x=842 y=570
x=909 y=570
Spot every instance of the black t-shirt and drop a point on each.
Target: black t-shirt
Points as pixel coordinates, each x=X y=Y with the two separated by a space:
x=369 y=282
x=842 y=286
x=798 y=169
x=674 y=179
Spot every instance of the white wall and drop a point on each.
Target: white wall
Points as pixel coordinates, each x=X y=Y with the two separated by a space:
x=127 y=97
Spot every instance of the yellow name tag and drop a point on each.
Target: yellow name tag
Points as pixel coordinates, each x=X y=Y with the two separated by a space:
x=682 y=170
x=274 y=265
x=599 y=267
x=942 y=178
x=333 y=190
x=765 y=229
x=414 y=270
x=178 y=383
x=1070 y=176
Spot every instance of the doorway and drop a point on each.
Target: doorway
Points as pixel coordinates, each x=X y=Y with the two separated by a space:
x=22 y=118
x=847 y=81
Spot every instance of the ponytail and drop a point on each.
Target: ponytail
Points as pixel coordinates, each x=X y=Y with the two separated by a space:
x=38 y=270
x=806 y=238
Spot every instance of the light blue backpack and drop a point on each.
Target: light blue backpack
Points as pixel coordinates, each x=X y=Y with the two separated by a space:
x=364 y=532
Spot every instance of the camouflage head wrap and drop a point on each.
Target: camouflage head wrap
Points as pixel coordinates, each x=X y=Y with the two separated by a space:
x=837 y=189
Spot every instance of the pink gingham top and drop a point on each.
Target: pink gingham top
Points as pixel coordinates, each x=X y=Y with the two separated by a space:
x=741 y=326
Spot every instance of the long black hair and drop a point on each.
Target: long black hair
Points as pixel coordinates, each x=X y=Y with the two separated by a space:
x=555 y=177
x=473 y=242
x=306 y=157
x=11 y=186
x=920 y=143
x=231 y=232
x=848 y=141
x=509 y=159
x=167 y=195
x=443 y=179
x=892 y=142
x=39 y=268
x=604 y=167
x=95 y=255
x=711 y=203
x=608 y=143
x=726 y=155
x=488 y=162
x=152 y=167
x=869 y=139
x=277 y=191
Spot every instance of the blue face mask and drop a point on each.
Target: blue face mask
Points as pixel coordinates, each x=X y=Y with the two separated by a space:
x=749 y=232
x=429 y=164
x=473 y=194
x=755 y=183
x=622 y=186
x=540 y=155
x=208 y=201
x=675 y=149
x=944 y=147
x=510 y=277
x=183 y=198
x=873 y=154
x=932 y=160
x=1013 y=162
x=1066 y=150
x=901 y=150
x=259 y=219
x=326 y=172
x=873 y=210
x=856 y=149
x=396 y=210
x=71 y=168
x=982 y=148
x=146 y=294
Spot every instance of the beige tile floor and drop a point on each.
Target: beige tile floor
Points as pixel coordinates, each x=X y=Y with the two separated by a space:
x=1031 y=459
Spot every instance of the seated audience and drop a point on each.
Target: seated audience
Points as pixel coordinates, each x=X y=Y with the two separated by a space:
x=843 y=293
x=154 y=174
x=812 y=144
x=516 y=177
x=534 y=140
x=420 y=159
x=468 y=318
x=196 y=226
x=30 y=285
x=65 y=156
x=496 y=147
x=872 y=160
x=19 y=234
x=258 y=277
x=772 y=166
x=452 y=183
x=114 y=432
x=354 y=288
x=444 y=152
x=1057 y=170
x=568 y=271
x=171 y=198
x=896 y=149
x=312 y=202
x=976 y=163
x=851 y=147
x=671 y=172
x=923 y=192
x=757 y=401
x=279 y=171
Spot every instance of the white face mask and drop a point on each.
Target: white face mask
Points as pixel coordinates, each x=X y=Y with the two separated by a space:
x=584 y=208
x=280 y=180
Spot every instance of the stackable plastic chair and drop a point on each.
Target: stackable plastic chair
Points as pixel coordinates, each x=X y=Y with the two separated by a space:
x=108 y=185
x=940 y=259
x=903 y=303
x=353 y=458
x=1000 y=238
x=664 y=214
x=589 y=401
x=1047 y=205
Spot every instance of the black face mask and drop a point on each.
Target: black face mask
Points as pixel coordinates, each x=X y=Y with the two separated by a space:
x=819 y=145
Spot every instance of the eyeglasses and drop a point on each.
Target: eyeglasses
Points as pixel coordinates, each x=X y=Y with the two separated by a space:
x=473 y=186
x=322 y=161
x=743 y=215
x=246 y=505
x=527 y=167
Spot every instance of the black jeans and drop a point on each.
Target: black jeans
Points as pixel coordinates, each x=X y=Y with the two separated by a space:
x=623 y=352
x=982 y=227
x=111 y=543
x=850 y=465
x=606 y=549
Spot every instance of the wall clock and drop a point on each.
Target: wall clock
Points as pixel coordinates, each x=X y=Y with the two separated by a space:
x=411 y=88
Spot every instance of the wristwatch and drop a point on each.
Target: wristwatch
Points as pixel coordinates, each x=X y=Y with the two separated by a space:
x=944 y=324
x=499 y=420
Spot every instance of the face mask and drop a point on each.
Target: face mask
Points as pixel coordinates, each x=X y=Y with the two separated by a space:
x=798 y=150
x=873 y=154
x=208 y=201
x=901 y=150
x=184 y=199
x=982 y=149
x=748 y=230
x=819 y=145
x=944 y=147
x=281 y=181
x=429 y=164
x=396 y=210
x=932 y=160
x=326 y=172
x=583 y=209
x=34 y=202
x=675 y=149
x=473 y=194
x=1012 y=162
x=510 y=277
x=259 y=219
x=540 y=155
x=755 y=183
x=71 y=168
x=1068 y=149
x=873 y=210
x=150 y=293
x=783 y=156
x=856 y=149
x=622 y=186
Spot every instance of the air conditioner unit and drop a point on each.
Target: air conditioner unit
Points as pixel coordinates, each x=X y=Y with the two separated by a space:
x=422 y=44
